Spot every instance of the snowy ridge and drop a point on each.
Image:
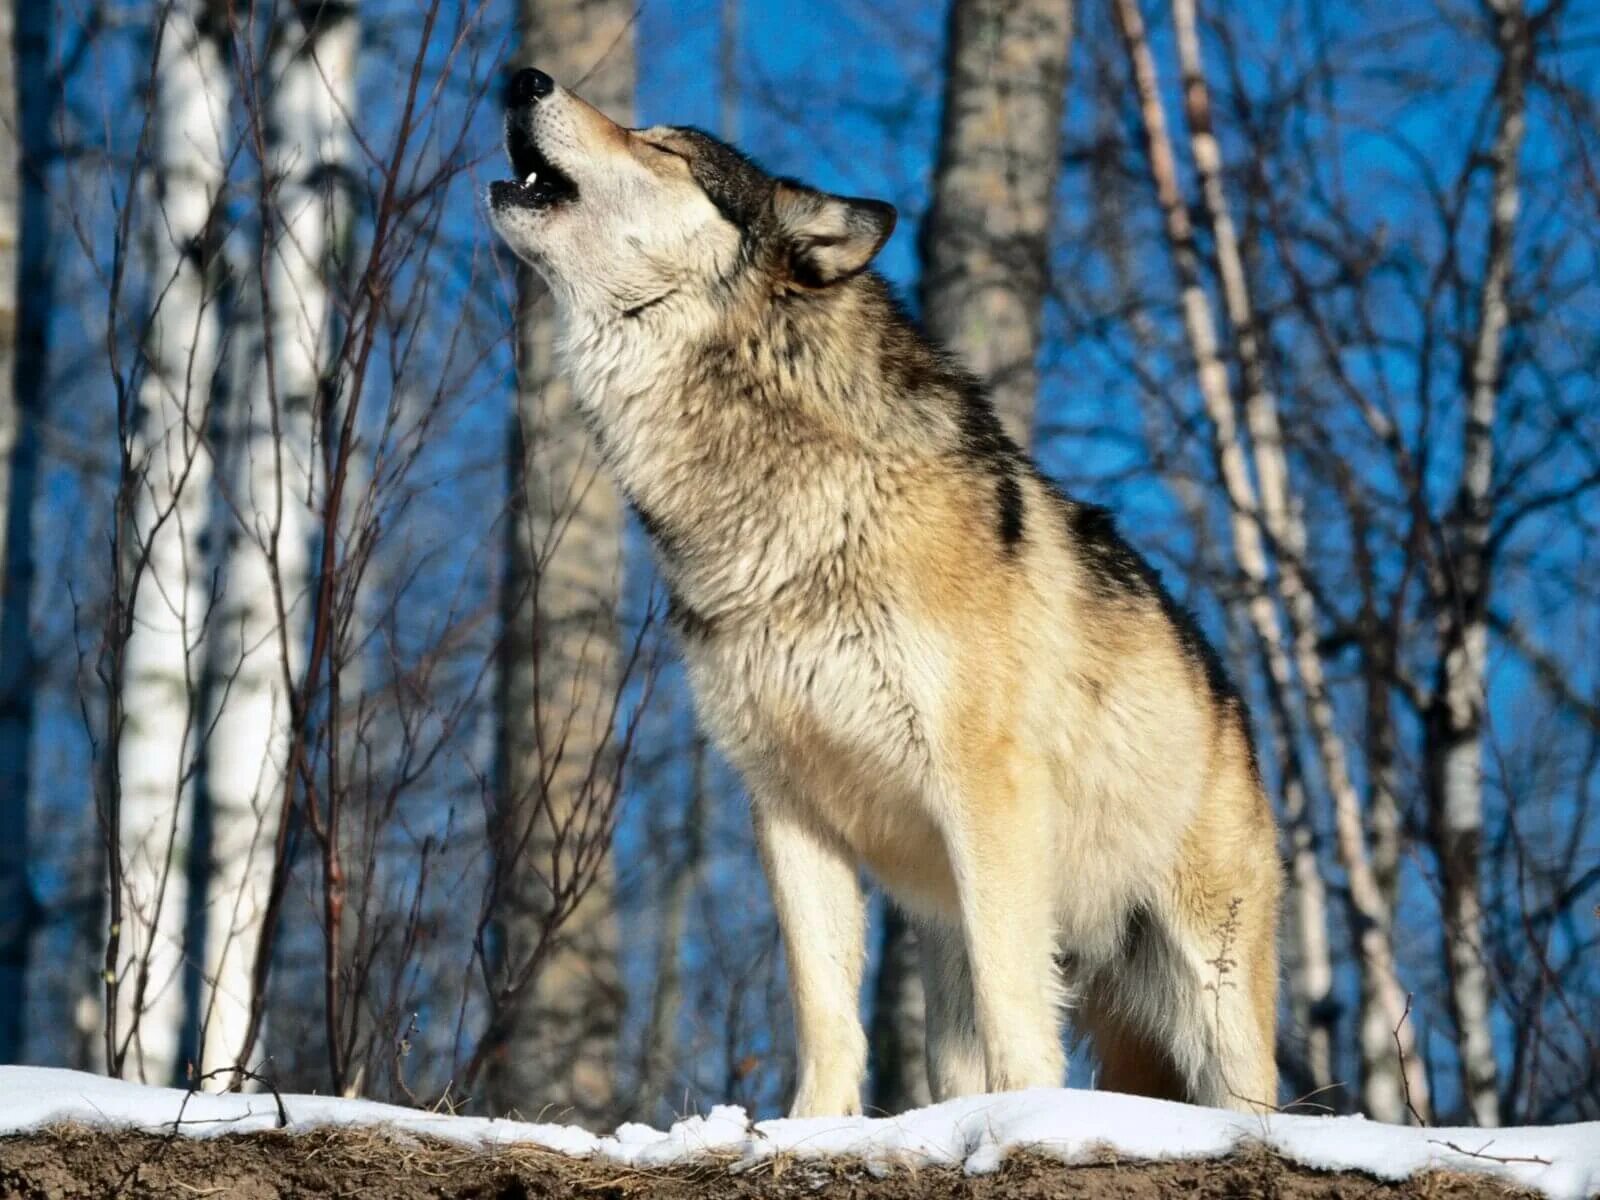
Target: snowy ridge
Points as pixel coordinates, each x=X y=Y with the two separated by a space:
x=973 y=1133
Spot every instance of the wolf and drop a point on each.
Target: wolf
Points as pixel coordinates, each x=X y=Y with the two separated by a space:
x=920 y=656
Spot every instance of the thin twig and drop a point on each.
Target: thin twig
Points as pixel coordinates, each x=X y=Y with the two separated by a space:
x=1405 y=1078
x=1498 y=1158
x=235 y=1074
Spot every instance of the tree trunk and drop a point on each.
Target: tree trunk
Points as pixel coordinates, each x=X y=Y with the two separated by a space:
x=171 y=475
x=16 y=685
x=273 y=477
x=1455 y=752
x=1375 y=950
x=985 y=249
x=666 y=1001
x=986 y=242
x=555 y=1038
x=897 y=1040
x=728 y=71
x=27 y=107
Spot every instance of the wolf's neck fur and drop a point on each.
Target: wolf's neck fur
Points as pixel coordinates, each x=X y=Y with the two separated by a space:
x=762 y=447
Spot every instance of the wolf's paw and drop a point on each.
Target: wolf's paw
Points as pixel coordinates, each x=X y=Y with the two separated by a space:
x=831 y=1090
x=820 y=1104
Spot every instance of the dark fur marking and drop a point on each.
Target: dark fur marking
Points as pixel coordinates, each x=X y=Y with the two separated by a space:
x=653 y=527
x=800 y=269
x=985 y=441
x=803 y=270
x=1008 y=491
x=930 y=383
x=629 y=313
x=1118 y=572
x=689 y=623
x=739 y=189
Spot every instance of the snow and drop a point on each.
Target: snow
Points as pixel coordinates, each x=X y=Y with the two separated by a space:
x=973 y=1133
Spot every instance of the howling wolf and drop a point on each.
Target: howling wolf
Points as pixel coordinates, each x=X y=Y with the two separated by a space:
x=921 y=657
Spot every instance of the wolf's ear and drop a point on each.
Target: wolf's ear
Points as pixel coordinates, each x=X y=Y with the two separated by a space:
x=829 y=237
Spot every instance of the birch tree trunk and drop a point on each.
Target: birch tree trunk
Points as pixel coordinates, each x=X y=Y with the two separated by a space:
x=171 y=467
x=555 y=1038
x=263 y=617
x=172 y=477
x=1455 y=752
x=985 y=250
x=1376 y=955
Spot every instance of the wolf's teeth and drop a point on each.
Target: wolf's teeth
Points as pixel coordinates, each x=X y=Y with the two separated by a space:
x=532 y=178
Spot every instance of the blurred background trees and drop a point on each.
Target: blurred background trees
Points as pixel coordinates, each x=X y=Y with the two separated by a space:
x=339 y=738
x=558 y=1003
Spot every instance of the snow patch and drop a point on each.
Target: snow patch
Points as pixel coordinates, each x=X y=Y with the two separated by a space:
x=974 y=1133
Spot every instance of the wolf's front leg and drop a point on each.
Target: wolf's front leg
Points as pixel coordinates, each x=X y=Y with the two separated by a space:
x=1003 y=861
x=823 y=918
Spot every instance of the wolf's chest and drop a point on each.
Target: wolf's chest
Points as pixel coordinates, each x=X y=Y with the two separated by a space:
x=801 y=696
x=831 y=718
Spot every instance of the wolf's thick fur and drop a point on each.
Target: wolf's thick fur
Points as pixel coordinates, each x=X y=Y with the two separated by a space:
x=921 y=657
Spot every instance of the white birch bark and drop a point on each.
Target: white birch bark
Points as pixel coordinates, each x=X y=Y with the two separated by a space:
x=171 y=466
x=1455 y=748
x=1374 y=947
x=261 y=626
x=555 y=1039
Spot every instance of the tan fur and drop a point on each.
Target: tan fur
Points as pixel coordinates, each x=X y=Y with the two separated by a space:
x=921 y=659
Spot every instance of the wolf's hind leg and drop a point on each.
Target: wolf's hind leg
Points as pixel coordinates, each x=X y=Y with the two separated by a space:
x=1185 y=1014
x=823 y=918
x=955 y=1056
x=1233 y=960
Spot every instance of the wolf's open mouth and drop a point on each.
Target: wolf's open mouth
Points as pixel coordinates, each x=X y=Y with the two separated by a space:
x=539 y=183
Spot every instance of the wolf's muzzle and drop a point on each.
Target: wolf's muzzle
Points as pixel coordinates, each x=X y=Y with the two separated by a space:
x=538 y=182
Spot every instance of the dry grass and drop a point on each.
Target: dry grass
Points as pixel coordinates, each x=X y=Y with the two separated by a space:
x=74 y=1161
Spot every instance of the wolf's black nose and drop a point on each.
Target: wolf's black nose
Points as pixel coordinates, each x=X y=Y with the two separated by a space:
x=528 y=85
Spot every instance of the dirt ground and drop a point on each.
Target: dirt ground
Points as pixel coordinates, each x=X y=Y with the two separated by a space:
x=75 y=1162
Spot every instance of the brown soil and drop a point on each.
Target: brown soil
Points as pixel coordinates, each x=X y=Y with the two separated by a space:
x=76 y=1162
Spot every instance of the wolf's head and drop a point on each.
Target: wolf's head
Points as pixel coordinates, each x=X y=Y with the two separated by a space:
x=620 y=220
